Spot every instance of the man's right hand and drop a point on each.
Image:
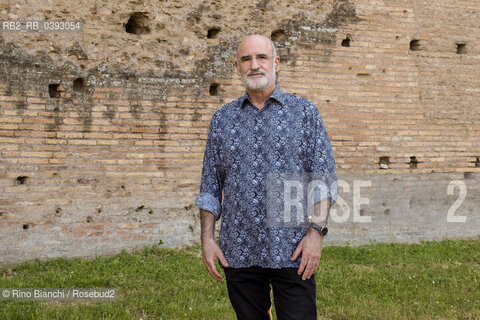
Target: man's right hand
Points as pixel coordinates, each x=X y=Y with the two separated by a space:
x=211 y=252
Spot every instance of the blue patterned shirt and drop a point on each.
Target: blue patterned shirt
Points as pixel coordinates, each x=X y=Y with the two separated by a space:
x=246 y=144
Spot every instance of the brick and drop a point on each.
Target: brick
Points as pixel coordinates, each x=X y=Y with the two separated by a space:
x=6 y=133
x=56 y=141
x=12 y=140
x=36 y=154
x=107 y=142
x=10 y=120
x=39 y=120
x=82 y=142
x=33 y=161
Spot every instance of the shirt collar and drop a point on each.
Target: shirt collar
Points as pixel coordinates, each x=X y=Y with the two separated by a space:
x=277 y=94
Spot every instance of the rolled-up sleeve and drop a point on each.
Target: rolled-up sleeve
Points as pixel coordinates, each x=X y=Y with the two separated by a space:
x=322 y=161
x=210 y=197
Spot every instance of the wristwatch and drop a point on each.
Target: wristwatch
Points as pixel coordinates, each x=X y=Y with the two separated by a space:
x=322 y=230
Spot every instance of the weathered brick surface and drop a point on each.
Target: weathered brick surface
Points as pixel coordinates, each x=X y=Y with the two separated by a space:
x=116 y=163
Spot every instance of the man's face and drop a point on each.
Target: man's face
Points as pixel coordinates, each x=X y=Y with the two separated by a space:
x=255 y=63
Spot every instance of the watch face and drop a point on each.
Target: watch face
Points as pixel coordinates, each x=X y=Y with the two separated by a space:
x=324 y=231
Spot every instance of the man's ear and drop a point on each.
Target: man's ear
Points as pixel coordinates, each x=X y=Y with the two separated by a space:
x=237 y=67
x=277 y=63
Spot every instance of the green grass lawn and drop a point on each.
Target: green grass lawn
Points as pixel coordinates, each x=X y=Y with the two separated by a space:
x=430 y=280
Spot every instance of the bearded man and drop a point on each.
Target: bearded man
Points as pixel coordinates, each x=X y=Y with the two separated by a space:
x=263 y=132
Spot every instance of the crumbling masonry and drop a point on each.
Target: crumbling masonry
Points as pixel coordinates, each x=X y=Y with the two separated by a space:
x=102 y=131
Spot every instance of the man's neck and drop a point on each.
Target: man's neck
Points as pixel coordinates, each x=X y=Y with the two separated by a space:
x=258 y=98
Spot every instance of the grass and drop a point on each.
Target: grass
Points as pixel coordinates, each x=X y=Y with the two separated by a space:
x=430 y=280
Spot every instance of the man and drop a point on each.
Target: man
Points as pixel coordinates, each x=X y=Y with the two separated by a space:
x=266 y=131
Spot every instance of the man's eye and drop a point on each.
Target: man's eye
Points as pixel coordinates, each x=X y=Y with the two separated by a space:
x=262 y=58
x=244 y=59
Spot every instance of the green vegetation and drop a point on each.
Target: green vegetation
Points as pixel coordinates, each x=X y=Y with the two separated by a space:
x=430 y=280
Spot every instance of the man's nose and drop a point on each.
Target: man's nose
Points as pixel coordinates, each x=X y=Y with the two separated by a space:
x=254 y=65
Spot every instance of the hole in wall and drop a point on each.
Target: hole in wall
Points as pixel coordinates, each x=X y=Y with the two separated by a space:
x=415 y=45
x=1 y=213
x=140 y=208
x=346 y=42
x=137 y=24
x=212 y=33
x=468 y=175
x=214 y=89
x=58 y=212
x=185 y=51
x=384 y=162
x=79 y=85
x=461 y=48
x=477 y=162
x=21 y=180
x=277 y=35
x=26 y=226
x=54 y=90
x=363 y=75
x=89 y=219
x=387 y=212
x=413 y=162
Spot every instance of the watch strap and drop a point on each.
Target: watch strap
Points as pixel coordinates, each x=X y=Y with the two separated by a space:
x=321 y=229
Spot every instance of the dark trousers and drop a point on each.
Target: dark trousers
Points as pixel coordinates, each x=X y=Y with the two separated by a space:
x=249 y=292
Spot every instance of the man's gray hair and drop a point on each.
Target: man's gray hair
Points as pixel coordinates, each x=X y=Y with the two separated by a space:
x=274 y=50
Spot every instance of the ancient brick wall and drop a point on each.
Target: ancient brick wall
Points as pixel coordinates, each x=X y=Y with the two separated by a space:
x=102 y=131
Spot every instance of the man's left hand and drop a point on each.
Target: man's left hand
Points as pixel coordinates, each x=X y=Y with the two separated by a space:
x=311 y=249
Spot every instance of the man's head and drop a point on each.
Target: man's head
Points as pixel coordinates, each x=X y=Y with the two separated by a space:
x=257 y=63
